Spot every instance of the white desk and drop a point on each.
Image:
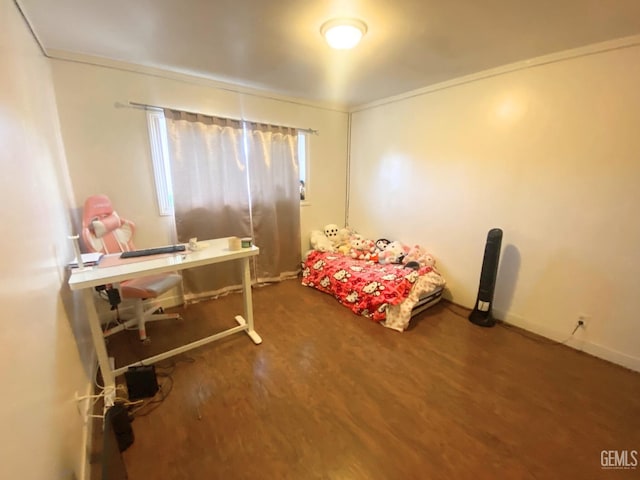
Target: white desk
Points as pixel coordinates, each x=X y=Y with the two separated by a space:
x=216 y=251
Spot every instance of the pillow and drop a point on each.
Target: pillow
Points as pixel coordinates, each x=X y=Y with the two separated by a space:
x=105 y=225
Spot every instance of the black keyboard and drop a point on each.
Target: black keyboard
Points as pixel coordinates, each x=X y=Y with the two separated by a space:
x=153 y=251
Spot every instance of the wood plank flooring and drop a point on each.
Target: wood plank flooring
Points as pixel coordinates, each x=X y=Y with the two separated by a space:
x=329 y=395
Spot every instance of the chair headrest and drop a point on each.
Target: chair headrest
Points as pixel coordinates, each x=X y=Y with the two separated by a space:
x=98 y=215
x=96 y=206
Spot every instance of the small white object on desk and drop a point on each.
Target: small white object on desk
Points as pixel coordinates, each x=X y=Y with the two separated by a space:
x=86 y=260
x=83 y=259
x=195 y=245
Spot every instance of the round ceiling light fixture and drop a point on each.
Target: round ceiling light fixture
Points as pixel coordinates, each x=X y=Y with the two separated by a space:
x=343 y=33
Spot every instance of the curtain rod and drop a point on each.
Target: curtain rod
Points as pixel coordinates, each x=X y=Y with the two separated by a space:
x=146 y=106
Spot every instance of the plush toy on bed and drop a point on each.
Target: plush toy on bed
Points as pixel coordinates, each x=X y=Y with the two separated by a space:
x=331 y=231
x=419 y=255
x=344 y=234
x=393 y=253
x=320 y=242
x=339 y=237
x=381 y=244
x=361 y=248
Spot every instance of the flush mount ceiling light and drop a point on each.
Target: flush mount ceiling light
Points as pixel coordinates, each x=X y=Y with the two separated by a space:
x=343 y=33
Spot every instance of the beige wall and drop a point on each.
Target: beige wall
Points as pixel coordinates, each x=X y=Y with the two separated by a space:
x=550 y=154
x=108 y=148
x=42 y=434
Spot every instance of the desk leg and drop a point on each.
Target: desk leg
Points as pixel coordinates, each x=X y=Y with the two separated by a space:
x=101 y=349
x=248 y=303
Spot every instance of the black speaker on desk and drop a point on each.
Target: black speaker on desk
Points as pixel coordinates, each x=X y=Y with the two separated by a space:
x=481 y=314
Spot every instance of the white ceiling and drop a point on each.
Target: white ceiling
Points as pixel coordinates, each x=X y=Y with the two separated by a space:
x=275 y=45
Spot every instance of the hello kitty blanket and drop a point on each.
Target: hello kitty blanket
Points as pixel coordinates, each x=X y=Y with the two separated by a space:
x=365 y=287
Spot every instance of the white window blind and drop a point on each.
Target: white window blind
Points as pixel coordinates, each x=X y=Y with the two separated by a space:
x=160 y=157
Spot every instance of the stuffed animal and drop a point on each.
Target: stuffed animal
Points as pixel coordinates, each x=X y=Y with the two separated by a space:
x=420 y=255
x=338 y=236
x=331 y=232
x=394 y=253
x=361 y=248
x=344 y=248
x=343 y=237
x=381 y=244
x=320 y=242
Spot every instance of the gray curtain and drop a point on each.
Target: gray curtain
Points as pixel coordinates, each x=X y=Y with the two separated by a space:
x=275 y=199
x=232 y=178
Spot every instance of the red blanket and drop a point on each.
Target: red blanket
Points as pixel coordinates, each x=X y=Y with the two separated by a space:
x=363 y=286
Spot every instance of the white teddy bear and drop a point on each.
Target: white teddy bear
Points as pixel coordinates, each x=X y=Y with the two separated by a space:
x=331 y=231
x=320 y=242
x=339 y=237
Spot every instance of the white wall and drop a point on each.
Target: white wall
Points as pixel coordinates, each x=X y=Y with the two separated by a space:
x=42 y=434
x=550 y=154
x=108 y=147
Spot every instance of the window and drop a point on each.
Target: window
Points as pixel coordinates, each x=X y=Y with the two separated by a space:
x=161 y=170
x=303 y=165
x=160 y=157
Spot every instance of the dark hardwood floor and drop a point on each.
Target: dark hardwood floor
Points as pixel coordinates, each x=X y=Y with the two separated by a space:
x=329 y=395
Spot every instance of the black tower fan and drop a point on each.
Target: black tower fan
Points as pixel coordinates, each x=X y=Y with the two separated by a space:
x=481 y=314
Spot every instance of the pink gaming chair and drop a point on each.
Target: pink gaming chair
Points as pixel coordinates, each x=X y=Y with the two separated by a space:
x=103 y=230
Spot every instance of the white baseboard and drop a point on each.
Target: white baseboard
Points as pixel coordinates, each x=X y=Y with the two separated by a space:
x=577 y=343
